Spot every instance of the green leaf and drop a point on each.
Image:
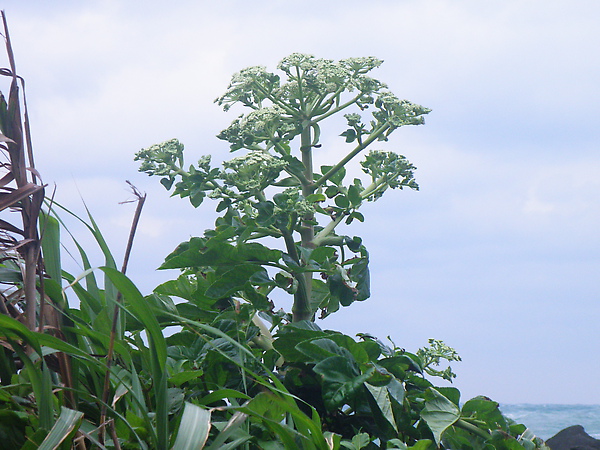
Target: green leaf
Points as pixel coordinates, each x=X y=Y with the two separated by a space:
x=41 y=381
x=422 y=444
x=341 y=380
x=332 y=191
x=439 y=413
x=359 y=441
x=325 y=169
x=200 y=252
x=193 y=429
x=289 y=336
x=313 y=198
x=451 y=394
x=379 y=399
x=349 y=134
x=502 y=441
x=233 y=280
x=221 y=394
x=256 y=252
x=486 y=410
x=322 y=254
x=342 y=201
x=138 y=308
x=265 y=213
x=287 y=182
x=355 y=215
x=338 y=177
x=8 y=275
x=360 y=274
x=354 y=196
x=320 y=349
x=197 y=253
x=65 y=426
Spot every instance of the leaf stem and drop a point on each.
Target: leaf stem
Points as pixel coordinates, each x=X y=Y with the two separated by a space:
x=337 y=108
x=460 y=423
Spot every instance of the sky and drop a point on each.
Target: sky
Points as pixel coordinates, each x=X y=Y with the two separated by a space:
x=497 y=254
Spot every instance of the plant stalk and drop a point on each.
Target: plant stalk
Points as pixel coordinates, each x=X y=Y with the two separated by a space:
x=113 y=332
x=301 y=309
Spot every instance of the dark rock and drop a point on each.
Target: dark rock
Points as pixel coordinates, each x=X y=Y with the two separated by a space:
x=573 y=438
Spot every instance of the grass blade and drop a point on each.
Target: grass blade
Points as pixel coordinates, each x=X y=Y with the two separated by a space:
x=65 y=426
x=194 y=428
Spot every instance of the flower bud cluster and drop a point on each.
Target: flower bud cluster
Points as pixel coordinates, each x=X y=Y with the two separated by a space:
x=161 y=159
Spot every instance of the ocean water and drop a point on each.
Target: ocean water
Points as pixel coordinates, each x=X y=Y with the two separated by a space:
x=547 y=420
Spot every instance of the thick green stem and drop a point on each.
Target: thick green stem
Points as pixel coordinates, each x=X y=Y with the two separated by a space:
x=301 y=309
x=472 y=429
x=325 y=232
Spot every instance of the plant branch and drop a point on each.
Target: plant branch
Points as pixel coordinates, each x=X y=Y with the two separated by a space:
x=372 y=137
x=337 y=108
x=325 y=232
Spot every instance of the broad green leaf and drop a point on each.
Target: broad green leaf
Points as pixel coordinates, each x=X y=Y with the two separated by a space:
x=359 y=441
x=183 y=377
x=486 y=410
x=196 y=253
x=349 y=134
x=233 y=280
x=256 y=252
x=287 y=182
x=338 y=177
x=265 y=213
x=342 y=201
x=361 y=276
x=193 y=429
x=266 y=405
x=422 y=444
x=200 y=252
x=313 y=198
x=439 y=413
x=292 y=334
x=451 y=394
x=322 y=254
x=396 y=390
x=380 y=402
x=332 y=191
x=320 y=349
x=340 y=289
x=354 y=196
x=341 y=380
x=502 y=441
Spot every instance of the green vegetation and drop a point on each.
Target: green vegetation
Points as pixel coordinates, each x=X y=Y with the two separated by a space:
x=98 y=371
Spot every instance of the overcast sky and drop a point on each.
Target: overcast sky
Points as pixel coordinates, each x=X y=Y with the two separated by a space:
x=497 y=254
